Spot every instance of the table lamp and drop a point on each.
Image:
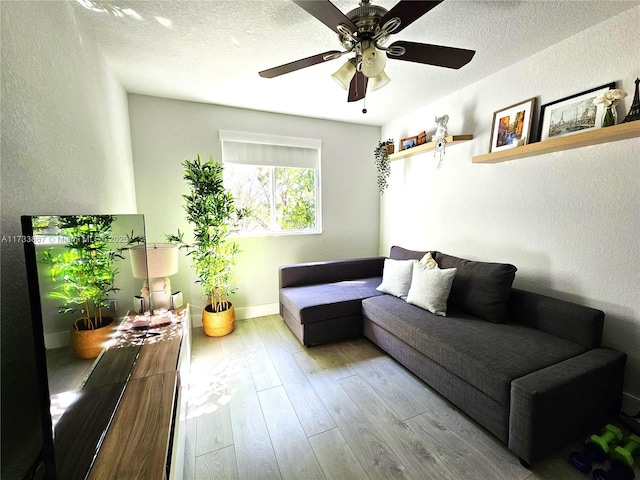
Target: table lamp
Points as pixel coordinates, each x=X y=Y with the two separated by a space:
x=155 y=263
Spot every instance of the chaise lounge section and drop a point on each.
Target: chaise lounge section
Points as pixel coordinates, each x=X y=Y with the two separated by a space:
x=527 y=367
x=322 y=302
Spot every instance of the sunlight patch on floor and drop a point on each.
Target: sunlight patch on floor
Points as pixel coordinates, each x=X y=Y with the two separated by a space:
x=213 y=384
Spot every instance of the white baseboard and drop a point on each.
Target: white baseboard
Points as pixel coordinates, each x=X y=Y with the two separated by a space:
x=241 y=313
x=56 y=340
x=257 y=311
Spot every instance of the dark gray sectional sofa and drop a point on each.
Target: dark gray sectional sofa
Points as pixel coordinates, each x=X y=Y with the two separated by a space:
x=527 y=367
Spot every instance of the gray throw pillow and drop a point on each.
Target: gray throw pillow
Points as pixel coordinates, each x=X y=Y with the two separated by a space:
x=400 y=253
x=480 y=288
x=396 y=277
x=430 y=288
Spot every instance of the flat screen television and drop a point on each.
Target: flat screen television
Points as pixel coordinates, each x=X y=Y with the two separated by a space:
x=80 y=280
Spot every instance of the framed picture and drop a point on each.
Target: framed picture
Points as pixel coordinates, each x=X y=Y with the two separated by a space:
x=573 y=114
x=422 y=138
x=511 y=123
x=408 y=142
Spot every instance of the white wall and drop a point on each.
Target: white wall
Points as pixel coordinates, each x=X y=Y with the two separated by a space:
x=65 y=149
x=568 y=220
x=166 y=132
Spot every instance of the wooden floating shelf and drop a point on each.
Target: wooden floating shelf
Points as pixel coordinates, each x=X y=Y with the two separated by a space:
x=427 y=147
x=622 y=131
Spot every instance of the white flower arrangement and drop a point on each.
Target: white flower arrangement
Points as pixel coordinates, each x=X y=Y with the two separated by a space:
x=609 y=97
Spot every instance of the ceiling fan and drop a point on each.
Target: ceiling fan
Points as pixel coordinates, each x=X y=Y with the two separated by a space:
x=364 y=31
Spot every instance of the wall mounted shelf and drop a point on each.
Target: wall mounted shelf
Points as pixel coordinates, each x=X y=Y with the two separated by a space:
x=593 y=137
x=427 y=147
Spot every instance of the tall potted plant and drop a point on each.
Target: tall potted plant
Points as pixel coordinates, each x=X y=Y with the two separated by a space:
x=211 y=210
x=84 y=273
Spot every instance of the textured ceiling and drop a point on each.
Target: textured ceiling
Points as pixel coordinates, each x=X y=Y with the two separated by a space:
x=211 y=51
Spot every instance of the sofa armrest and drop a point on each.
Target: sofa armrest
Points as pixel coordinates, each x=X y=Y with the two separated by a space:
x=553 y=406
x=571 y=321
x=330 y=271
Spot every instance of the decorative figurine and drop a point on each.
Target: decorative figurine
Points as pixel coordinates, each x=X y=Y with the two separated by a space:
x=634 y=111
x=440 y=137
x=441 y=127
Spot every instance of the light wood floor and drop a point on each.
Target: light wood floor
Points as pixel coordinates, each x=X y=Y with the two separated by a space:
x=262 y=406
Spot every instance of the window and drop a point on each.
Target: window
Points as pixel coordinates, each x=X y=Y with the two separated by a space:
x=277 y=178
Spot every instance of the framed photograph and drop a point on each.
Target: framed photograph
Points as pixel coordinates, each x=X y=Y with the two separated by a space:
x=573 y=114
x=422 y=138
x=511 y=123
x=408 y=142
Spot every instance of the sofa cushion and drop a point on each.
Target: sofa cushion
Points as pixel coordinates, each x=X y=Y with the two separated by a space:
x=396 y=277
x=399 y=253
x=315 y=303
x=430 y=288
x=480 y=288
x=487 y=355
x=577 y=323
x=330 y=271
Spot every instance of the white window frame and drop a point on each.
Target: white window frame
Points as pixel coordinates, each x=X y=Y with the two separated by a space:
x=279 y=151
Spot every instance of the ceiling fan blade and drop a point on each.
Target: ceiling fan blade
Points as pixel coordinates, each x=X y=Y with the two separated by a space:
x=297 y=65
x=358 y=87
x=327 y=13
x=438 y=55
x=408 y=11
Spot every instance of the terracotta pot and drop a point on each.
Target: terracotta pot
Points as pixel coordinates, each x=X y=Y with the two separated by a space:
x=88 y=344
x=218 y=324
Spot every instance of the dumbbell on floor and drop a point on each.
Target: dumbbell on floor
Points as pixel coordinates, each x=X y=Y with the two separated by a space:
x=596 y=448
x=621 y=461
x=624 y=452
x=618 y=471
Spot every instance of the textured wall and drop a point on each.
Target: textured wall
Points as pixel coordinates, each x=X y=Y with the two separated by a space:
x=166 y=132
x=65 y=149
x=568 y=220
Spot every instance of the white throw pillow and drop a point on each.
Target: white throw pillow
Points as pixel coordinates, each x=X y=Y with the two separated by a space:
x=430 y=288
x=396 y=277
x=428 y=261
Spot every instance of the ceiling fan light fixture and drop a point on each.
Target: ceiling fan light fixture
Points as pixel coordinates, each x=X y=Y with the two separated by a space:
x=364 y=32
x=345 y=73
x=379 y=81
x=373 y=61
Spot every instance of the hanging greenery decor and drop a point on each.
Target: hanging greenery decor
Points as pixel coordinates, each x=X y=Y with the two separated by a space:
x=383 y=165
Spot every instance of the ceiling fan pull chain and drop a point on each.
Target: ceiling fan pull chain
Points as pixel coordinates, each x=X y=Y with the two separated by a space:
x=364 y=105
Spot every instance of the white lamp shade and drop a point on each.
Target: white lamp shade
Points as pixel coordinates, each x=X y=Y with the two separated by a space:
x=344 y=74
x=379 y=81
x=154 y=260
x=373 y=62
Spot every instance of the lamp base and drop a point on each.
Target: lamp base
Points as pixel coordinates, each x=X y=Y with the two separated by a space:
x=161 y=294
x=160 y=297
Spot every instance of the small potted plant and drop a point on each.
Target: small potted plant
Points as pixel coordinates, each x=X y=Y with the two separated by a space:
x=211 y=210
x=85 y=272
x=609 y=100
x=383 y=165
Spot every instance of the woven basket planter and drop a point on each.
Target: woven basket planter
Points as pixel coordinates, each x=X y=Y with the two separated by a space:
x=218 y=324
x=88 y=344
